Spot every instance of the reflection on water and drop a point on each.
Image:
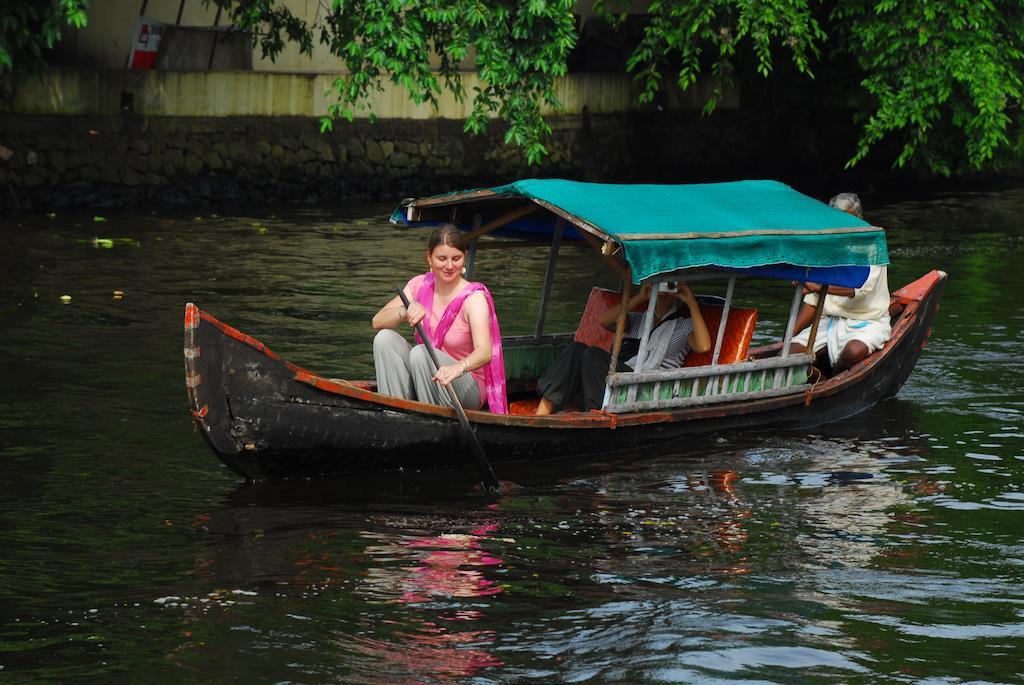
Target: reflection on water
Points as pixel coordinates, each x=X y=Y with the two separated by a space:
x=886 y=548
x=446 y=572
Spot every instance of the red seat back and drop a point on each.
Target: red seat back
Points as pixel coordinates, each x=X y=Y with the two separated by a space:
x=735 y=341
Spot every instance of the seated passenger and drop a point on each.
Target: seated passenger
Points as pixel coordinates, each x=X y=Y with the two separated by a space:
x=458 y=316
x=855 y=321
x=578 y=375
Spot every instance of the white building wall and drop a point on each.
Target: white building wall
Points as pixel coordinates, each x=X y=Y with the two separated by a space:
x=106 y=40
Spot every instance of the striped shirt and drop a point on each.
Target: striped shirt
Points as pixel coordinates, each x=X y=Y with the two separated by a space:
x=677 y=346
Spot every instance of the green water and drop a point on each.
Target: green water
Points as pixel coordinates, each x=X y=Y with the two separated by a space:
x=884 y=549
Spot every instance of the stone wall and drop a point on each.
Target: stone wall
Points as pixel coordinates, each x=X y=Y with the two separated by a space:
x=87 y=160
x=84 y=160
x=116 y=160
x=93 y=137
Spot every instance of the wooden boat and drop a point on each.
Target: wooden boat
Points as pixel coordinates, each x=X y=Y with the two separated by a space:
x=266 y=417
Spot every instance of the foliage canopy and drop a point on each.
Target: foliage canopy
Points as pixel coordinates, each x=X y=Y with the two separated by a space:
x=520 y=47
x=940 y=78
x=29 y=27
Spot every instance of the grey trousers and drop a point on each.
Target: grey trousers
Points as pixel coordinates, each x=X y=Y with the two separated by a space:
x=406 y=371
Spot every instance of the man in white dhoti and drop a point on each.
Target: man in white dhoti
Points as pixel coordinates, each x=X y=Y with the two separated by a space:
x=854 y=321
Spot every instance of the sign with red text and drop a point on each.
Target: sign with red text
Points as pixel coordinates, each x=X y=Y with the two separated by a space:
x=145 y=43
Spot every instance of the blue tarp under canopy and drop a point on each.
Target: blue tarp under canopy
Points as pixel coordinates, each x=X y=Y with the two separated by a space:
x=762 y=228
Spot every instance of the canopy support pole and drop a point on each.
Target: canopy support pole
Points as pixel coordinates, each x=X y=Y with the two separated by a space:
x=645 y=332
x=620 y=328
x=471 y=257
x=645 y=336
x=725 y=319
x=798 y=296
x=505 y=218
x=549 y=277
x=648 y=325
x=822 y=294
x=818 y=309
x=721 y=329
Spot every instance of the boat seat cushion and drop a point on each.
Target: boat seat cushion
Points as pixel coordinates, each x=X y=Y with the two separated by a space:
x=528 y=406
x=739 y=330
x=523 y=407
x=735 y=342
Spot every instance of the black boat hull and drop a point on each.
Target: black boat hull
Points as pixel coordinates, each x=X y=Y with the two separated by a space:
x=267 y=418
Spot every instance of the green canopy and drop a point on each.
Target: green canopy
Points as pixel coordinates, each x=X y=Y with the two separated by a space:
x=735 y=225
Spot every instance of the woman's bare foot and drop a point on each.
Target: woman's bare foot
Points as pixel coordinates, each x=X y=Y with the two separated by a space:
x=544 y=407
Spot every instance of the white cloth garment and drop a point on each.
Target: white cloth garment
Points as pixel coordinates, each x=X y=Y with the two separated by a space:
x=836 y=331
x=869 y=303
x=863 y=317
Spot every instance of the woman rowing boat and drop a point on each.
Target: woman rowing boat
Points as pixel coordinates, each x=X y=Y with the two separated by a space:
x=458 y=316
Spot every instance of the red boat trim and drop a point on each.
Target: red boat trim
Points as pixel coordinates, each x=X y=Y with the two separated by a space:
x=575 y=419
x=239 y=335
x=916 y=291
x=191 y=316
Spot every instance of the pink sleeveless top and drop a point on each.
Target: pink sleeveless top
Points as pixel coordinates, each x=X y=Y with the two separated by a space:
x=448 y=329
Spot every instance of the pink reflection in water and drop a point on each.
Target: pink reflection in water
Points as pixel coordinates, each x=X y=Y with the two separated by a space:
x=451 y=569
x=439 y=648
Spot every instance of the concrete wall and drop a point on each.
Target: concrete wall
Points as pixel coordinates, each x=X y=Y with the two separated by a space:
x=104 y=43
x=246 y=93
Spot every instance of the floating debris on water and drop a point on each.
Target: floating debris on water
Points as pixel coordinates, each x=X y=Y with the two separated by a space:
x=108 y=243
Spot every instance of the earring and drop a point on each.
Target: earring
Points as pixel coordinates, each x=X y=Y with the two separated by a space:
x=463 y=271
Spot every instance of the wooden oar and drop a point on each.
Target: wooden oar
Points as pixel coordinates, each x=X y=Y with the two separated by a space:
x=487 y=477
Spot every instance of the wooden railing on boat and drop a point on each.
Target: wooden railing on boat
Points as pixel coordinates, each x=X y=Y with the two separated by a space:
x=689 y=386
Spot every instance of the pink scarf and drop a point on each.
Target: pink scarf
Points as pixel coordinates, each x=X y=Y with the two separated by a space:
x=494 y=371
